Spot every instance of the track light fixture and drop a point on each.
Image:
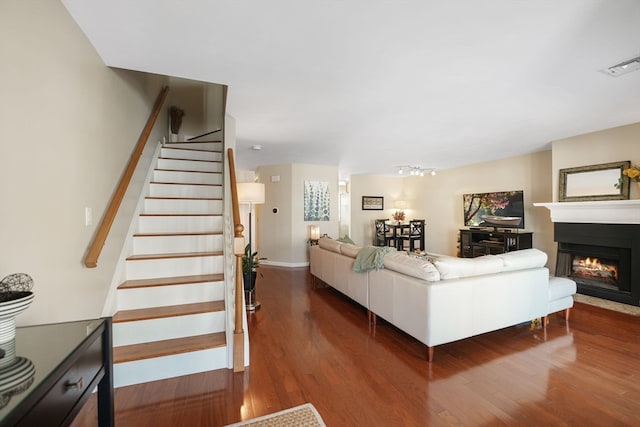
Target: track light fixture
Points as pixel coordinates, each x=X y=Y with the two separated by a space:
x=415 y=170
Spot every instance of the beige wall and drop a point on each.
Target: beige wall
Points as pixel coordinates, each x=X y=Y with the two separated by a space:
x=438 y=199
x=390 y=188
x=69 y=125
x=605 y=146
x=282 y=237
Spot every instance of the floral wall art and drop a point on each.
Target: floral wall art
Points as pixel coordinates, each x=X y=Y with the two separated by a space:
x=316 y=201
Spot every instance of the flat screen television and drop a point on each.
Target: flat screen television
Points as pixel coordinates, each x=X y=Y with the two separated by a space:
x=503 y=209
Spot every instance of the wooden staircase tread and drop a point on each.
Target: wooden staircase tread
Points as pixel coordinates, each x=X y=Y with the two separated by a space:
x=131 y=353
x=194 y=149
x=184 y=171
x=169 y=281
x=178 y=214
x=185 y=183
x=189 y=160
x=167 y=311
x=181 y=233
x=143 y=257
x=182 y=198
x=194 y=142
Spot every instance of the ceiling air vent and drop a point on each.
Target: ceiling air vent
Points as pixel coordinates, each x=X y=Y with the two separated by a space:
x=623 y=67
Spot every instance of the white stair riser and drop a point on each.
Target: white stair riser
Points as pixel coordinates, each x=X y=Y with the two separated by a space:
x=185 y=190
x=167 y=328
x=187 y=177
x=172 y=267
x=189 y=165
x=206 y=146
x=159 y=368
x=179 y=224
x=177 y=244
x=153 y=296
x=175 y=153
x=182 y=206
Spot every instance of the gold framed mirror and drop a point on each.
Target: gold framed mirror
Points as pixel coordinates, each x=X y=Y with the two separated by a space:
x=594 y=182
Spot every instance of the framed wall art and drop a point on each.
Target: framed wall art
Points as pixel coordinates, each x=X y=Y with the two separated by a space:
x=372 y=203
x=316 y=201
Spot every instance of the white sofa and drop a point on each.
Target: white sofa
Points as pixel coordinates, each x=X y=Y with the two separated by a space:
x=439 y=299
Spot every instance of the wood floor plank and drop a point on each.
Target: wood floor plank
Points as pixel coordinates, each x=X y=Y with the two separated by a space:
x=314 y=345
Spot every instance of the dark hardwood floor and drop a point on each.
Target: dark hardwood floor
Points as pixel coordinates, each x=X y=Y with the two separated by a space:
x=315 y=345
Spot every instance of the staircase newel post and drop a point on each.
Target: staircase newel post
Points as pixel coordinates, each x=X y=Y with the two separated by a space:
x=238 y=250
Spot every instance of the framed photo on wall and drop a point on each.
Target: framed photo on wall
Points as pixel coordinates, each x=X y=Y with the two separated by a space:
x=372 y=203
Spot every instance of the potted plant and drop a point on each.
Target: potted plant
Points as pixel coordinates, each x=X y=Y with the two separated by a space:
x=398 y=216
x=250 y=263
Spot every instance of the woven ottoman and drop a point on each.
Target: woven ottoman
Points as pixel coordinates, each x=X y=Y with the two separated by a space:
x=561 y=291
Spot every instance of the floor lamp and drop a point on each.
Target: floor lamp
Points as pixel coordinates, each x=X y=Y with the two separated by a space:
x=253 y=194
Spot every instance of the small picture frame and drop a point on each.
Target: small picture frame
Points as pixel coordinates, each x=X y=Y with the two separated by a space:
x=372 y=203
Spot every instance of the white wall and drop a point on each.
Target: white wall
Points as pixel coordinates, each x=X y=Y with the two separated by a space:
x=69 y=125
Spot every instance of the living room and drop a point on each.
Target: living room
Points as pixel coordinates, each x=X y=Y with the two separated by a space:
x=437 y=198
x=70 y=123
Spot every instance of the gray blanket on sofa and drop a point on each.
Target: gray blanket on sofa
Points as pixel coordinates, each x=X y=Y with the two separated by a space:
x=370 y=258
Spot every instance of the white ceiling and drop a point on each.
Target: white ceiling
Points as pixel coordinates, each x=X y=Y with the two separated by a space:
x=373 y=84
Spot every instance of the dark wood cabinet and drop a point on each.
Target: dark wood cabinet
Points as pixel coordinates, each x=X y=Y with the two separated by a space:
x=62 y=364
x=476 y=242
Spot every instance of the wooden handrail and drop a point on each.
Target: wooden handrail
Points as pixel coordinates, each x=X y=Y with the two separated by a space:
x=91 y=259
x=238 y=245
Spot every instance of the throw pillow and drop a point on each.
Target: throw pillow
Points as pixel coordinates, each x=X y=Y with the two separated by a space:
x=411 y=266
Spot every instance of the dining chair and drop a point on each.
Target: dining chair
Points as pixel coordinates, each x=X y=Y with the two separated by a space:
x=383 y=235
x=416 y=234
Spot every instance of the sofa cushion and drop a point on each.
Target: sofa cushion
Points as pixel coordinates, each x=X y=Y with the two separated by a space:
x=523 y=259
x=350 y=250
x=560 y=287
x=329 y=244
x=454 y=268
x=411 y=266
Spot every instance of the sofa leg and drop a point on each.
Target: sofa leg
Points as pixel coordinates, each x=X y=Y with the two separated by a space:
x=566 y=314
x=430 y=353
x=545 y=321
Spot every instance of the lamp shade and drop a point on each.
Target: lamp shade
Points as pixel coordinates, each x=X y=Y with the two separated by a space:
x=251 y=192
x=314 y=232
x=400 y=204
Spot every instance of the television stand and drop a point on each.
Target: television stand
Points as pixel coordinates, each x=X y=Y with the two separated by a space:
x=476 y=242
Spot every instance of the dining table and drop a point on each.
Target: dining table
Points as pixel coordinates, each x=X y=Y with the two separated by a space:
x=397 y=229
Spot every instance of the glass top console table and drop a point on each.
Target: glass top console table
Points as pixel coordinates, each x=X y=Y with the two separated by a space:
x=49 y=371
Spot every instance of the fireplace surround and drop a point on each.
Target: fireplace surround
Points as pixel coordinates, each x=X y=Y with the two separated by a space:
x=598 y=257
x=599 y=247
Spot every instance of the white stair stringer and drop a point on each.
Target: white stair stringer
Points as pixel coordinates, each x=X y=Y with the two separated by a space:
x=171 y=317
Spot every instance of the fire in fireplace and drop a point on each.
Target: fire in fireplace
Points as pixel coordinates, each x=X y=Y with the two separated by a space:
x=595 y=271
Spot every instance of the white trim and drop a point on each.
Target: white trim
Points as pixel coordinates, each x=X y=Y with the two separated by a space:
x=598 y=212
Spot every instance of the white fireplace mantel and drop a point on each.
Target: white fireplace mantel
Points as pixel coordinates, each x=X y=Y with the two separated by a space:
x=600 y=212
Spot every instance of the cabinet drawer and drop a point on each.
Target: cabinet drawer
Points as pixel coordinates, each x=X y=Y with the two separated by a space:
x=60 y=400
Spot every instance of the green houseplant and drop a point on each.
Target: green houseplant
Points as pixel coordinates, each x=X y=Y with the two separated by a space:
x=250 y=263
